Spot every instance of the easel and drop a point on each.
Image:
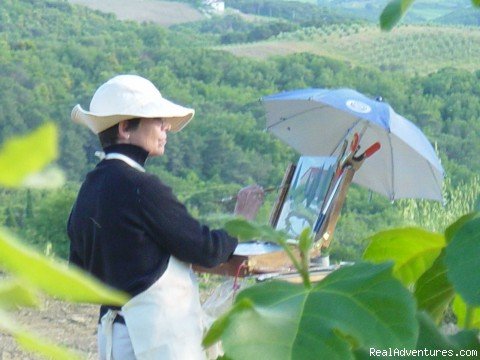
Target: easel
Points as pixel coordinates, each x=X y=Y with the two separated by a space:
x=275 y=263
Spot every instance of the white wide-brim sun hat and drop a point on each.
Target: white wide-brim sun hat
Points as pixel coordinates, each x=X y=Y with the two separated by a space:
x=126 y=97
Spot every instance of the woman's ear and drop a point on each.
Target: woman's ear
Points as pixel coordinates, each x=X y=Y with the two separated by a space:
x=123 y=133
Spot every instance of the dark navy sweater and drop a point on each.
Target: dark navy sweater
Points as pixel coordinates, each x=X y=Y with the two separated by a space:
x=125 y=224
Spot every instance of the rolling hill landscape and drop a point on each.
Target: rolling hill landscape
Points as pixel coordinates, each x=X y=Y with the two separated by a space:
x=54 y=53
x=421 y=10
x=419 y=48
x=410 y=49
x=164 y=13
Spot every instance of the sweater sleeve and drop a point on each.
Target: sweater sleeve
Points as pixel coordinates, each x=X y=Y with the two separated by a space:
x=73 y=257
x=177 y=231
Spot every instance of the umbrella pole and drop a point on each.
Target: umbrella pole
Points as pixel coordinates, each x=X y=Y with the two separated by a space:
x=347 y=134
x=327 y=220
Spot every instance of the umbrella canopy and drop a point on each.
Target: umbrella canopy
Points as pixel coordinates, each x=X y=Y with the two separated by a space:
x=317 y=121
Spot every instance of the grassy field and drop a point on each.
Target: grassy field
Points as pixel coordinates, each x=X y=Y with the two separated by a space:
x=410 y=49
x=164 y=13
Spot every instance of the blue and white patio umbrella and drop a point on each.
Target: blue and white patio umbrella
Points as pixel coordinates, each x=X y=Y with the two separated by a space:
x=317 y=121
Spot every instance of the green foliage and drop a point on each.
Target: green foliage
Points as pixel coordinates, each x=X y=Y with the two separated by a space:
x=33 y=272
x=458 y=200
x=409 y=50
x=27 y=154
x=396 y=9
x=52 y=277
x=412 y=250
x=363 y=214
x=393 y=12
x=231 y=29
x=55 y=54
x=431 y=338
x=452 y=271
x=47 y=225
x=62 y=53
x=245 y=230
x=361 y=306
x=461 y=258
x=423 y=10
x=460 y=308
x=433 y=291
x=302 y=13
x=276 y=320
x=13 y=295
x=224 y=89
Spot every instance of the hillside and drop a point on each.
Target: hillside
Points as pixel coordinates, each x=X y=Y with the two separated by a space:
x=468 y=16
x=164 y=13
x=409 y=49
x=421 y=11
x=55 y=54
x=167 y=13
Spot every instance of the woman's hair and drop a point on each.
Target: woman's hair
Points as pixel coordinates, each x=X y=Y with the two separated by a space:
x=110 y=136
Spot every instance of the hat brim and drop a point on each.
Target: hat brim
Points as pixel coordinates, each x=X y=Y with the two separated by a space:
x=178 y=116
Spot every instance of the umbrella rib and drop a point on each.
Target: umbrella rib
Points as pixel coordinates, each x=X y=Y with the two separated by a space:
x=392 y=195
x=295 y=115
x=347 y=133
x=436 y=181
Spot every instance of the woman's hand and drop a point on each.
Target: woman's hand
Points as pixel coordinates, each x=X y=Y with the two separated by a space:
x=249 y=200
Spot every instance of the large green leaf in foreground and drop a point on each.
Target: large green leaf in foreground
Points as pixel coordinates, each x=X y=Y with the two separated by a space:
x=458 y=224
x=354 y=308
x=432 y=339
x=14 y=294
x=460 y=309
x=51 y=276
x=247 y=230
x=25 y=155
x=393 y=13
x=463 y=261
x=433 y=291
x=413 y=251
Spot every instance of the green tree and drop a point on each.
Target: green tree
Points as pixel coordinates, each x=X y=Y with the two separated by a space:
x=48 y=227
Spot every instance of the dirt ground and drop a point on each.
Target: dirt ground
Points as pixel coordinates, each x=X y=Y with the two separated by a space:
x=71 y=325
x=74 y=325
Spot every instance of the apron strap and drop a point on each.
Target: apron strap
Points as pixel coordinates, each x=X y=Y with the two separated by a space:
x=107 y=328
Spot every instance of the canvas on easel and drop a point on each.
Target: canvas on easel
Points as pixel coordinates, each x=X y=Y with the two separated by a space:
x=312 y=195
x=299 y=202
x=306 y=194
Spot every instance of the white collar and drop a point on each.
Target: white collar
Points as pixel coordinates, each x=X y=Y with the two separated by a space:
x=124 y=158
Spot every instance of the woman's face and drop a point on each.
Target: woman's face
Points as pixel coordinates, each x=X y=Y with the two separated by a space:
x=151 y=134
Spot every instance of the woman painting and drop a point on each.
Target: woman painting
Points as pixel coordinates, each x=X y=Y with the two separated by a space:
x=129 y=230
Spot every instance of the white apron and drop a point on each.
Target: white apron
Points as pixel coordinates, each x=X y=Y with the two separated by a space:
x=165 y=321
